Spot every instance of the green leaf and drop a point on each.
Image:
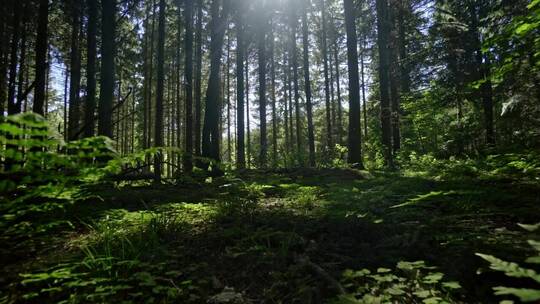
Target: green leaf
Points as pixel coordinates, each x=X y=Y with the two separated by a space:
x=509 y=268
x=528 y=227
x=451 y=285
x=525 y=28
x=524 y=294
x=433 y=278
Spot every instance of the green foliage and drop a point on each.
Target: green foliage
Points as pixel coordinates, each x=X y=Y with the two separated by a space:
x=512 y=165
x=514 y=270
x=410 y=282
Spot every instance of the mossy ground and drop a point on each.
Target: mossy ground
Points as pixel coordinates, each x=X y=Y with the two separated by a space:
x=245 y=237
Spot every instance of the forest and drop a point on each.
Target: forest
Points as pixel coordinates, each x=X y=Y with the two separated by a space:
x=270 y=151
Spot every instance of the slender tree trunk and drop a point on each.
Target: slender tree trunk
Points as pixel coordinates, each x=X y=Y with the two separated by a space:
x=41 y=57
x=158 y=127
x=290 y=89
x=151 y=77
x=394 y=77
x=91 y=69
x=12 y=78
x=198 y=78
x=66 y=80
x=274 y=113
x=285 y=104
x=240 y=54
x=363 y=81
x=107 y=67
x=262 y=86
x=4 y=10
x=338 y=92
x=355 y=132
x=228 y=97
x=188 y=19
x=16 y=108
x=307 y=83
x=294 y=26
x=75 y=81
x=326 y=79
x=248 y=113
x=146 y=83
x=487 y=102
x=383 y=35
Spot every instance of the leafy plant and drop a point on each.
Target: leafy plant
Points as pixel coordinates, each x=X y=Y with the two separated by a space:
x=514 y=270
x=410 y=282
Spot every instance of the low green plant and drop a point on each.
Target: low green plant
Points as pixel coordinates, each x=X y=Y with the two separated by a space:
x=410 y=282
x=514 y=270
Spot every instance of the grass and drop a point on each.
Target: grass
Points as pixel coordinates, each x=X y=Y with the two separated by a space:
x=248 y=237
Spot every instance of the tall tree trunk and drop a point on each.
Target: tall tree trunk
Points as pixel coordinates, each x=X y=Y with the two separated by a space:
x=89 y=125
x=383 y=35
x=158 y=127
x=228 y=97
x=16 y=108
x=290 y=90
x=15 y=37
x=261 y=51
x=248 y=113
x=198 y=78
x=240 y=54
x=188 y=19
x=4 y=11
x=338 y=92
x=355 y=133
x=363 y=82
x=75 y=81
x=146 y=83
x=107 y=67
x=41 y=57
x=273 y=94
x=211 y=134
x=294 y=54
x=326 y=79
x=288 y=142
x=307 y=83
x=66 y=80
x=487 y=102
x=394 y=77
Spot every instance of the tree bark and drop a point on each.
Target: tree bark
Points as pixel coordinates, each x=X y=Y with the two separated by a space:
x=294 y=54
x=355 y=133
x=211 y=134
x=261 y=51
x=326 y=78
x=107 y=67
x=188 y=19
x=383 y=35
x=307 y=83
x=15 y=37
x=274 y=111
x=198 y=78
x=91 y=47
x=338 y=92
x=158 y=127
x=41 y=57
x=75 y=80
x=240 y=54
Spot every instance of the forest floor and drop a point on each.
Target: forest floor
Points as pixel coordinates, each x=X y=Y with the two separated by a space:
x=269 y=237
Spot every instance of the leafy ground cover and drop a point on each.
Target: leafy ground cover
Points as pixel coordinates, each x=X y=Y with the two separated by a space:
x=289 y=236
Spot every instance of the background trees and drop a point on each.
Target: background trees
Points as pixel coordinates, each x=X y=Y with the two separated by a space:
x=446 y=77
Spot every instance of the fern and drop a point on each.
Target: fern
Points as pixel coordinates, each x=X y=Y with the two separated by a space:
x=511 y=269
x=514 y=270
